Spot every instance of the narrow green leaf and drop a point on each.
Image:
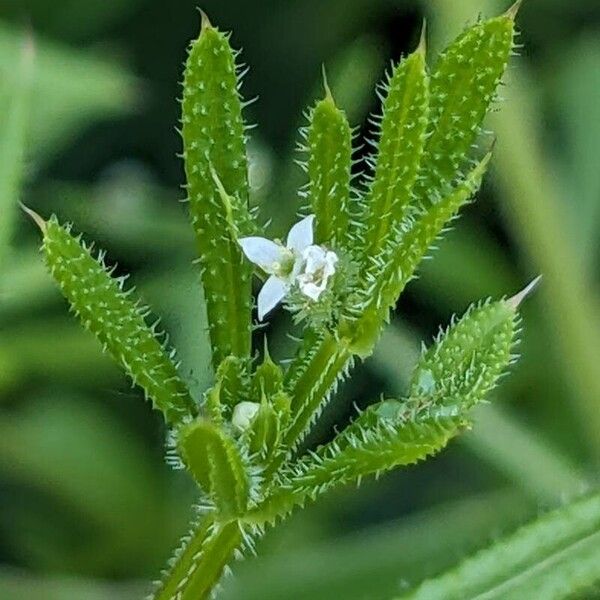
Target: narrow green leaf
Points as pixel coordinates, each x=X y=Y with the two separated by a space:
x=401 y=141
x=380 y=439
x=13 y=126
x=106 y=310
x=198 y=564
x=392 y=270
x=463 y=87
x=554 y=558
x=214 y=146
x=216 y=464
x=467 y=359
x=329 y=144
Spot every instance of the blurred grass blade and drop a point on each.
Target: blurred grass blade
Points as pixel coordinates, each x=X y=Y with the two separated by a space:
x=77 y=88
x=502 y=441
x=13 y=136
x=554 y=558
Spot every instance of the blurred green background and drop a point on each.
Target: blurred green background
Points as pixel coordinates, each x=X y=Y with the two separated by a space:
x=88 y=507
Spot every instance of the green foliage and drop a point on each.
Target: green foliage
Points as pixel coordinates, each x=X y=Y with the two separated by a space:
x=474 y=350
x=213 y=137
x=215 y=462
x=105 y=309
x=243 y=447
x=329 y=145
x=555 y=557
x=13 y=125
x=463 y=87
x=402 y=132
x=379 y=440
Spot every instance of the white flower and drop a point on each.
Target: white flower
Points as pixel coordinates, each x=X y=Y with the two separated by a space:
x=299 y=261
x=243 y=415
x=319 y=266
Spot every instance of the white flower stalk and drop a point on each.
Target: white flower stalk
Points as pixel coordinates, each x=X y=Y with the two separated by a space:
x=299 y=262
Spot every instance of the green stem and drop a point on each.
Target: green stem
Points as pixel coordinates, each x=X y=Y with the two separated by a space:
x=199 y=565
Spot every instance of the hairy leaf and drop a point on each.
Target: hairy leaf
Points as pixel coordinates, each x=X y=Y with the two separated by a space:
x=467 y=359
x=118 y=322
x=391 y=271
x=401 y=140
x=329 y=144
x=554 y=558
x=380 y=439
x=216 y=464
x=463 y=87
x=215 y=156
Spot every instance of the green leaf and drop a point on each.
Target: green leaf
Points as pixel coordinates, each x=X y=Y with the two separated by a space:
x=554 y=558
x=214 y=146
x=233 y=383
x=401 y=140
x=13 y=126
x=105 y=309
x=391 y=271
x=216 y=464
x=329 y=145
x=464 y=364
x=463 y=88
x=198 y=564
x=380 y=439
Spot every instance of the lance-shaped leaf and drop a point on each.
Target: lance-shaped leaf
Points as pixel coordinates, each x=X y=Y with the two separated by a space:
x=108 y=312
x=13 y=126
x=380 y=439
x=463 y=87
x=232 y=386
x=217 y=182
x=329 y=147
x=554 y=558
x=199 y=562
x=467 y=359
x=214 y=460
x=395 y=266
x=400 y=146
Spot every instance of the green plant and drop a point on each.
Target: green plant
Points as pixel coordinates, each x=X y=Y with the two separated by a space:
x=556 y=556
x=340 y=273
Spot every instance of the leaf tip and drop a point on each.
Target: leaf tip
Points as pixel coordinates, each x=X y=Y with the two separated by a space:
x=37 y=219
x=517 y=299
x=512 y=12
x=328 y=94
x=205 y=23
x=422 y=47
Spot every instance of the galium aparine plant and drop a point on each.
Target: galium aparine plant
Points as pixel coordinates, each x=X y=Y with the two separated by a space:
x=340 y=272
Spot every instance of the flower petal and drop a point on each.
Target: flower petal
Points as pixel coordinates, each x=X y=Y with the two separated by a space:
x=301 y=234
x=262 y=252
x=270 y=295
